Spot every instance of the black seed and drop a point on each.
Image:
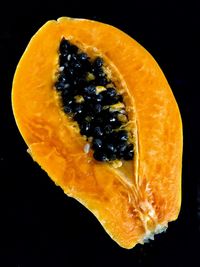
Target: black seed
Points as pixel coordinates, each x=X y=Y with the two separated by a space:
x=99 y=97
x=64 y=46
x=87 y=97
x=73 y=49
x=70 y=71
x=97 y=108
x=97 y=143
x=78 y=108
x=98 y=120
x=65 y=65
x=113 y=120
x=99 y=156
x=80 y=81
x=85 y=128
x=99 y=73
x=103 y=81
x=62 y=78
x=98 y=62
x=108 y=129
x=128 y=153
x=83 y=56
x=73 y=57
x=68 y=101
x=110 y=96
x=90 y=90
x=122 y=135
x=121 y=147
x=76 y=65
x=74 y=62
x=65 y=94
x=98 y=131
x=67 y=109
x=111 y=148
x=111 y=92
x=119 y=98
x=63 y=60
x=79 y=118
x=60 y=86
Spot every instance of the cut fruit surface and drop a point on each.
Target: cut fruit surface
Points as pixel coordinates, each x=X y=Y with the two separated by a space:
x=100 y=118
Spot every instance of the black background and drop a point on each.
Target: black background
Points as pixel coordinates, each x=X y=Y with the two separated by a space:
x=40 y=226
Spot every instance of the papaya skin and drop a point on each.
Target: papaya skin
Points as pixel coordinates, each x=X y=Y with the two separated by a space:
x=144 y=197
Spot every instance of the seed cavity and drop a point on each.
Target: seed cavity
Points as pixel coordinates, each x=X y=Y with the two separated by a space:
x=91 y=99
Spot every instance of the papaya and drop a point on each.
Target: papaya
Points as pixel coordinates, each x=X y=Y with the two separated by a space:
x=98 y=115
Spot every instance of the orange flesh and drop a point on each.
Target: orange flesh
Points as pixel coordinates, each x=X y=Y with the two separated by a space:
x=141 y=196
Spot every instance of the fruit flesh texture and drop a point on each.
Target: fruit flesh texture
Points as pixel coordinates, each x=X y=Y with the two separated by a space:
x=143 y=195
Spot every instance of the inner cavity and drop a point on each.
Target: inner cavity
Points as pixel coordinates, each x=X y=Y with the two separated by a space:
x=91 y=99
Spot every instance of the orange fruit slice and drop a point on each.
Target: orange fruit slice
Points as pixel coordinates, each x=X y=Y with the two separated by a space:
x=136 y=199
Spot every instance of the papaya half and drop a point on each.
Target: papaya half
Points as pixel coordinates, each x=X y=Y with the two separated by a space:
x=98 y=115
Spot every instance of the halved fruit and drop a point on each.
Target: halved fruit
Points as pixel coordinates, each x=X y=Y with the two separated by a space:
x=81 y=81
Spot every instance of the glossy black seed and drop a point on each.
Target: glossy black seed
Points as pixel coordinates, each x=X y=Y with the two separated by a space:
x=71 y=71
x=80 y=81
x=128 y=153
x=85 y=128
x=60 y=86
x=79 y=118
x=65 y=94
x=119 y=98
x=73 y=49
x=100 y=156
x=90 y=90
x=113 y=120
x=67 y=109
x=98 y=62
x=122 y=135
x=99 y=72
x=73 y=57
x=78 y=108
x=87 y=98
x=110 y=96
x=63 y=60
x=108 y=129
x=64 y=46
x=74 y=62
x=111 y=148
x=62 y=78
x=97 y=143
x=65 y=65
x=76 y=65
x=98 y=98
x=68 y=101
x=121 y=147
x=83 y=56
x=111 y=92
x=98 y=120
x=105 y=114
x=97 y=108
x=102 y=81
x=98 y=131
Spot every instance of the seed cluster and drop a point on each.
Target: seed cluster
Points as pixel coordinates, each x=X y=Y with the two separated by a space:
x=90 y=98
